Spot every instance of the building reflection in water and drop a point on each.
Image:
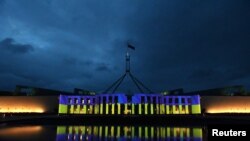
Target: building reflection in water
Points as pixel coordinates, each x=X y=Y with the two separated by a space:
x=93 y=133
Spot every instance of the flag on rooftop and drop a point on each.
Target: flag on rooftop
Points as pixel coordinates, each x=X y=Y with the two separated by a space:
x=130 y=46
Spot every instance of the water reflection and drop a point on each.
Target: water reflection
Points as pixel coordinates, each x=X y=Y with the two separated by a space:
x=93 y=133
x=20 y=131
x=25 y=133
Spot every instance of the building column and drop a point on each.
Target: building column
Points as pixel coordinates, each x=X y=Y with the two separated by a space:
x=179 y=105
x=146 y=108
x=113 y=105
x=119 y=108
x=85 y=106
x=161 y=105
x=107 y=105
x=140 y=108
x=133 y=109
x=157 y=105
x=151 y=105
x=71 y=108
x=96 y=105
x=126 y=108
x=101 y=104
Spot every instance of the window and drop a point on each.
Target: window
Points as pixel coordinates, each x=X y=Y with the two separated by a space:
x=148 y=99
x=170 y=100
x=82 y=100
x=116 y=99
x=176 y=100
x=142 y=99
x=154 y=100
x=70 y=101
x=189 y=101
x=110 y=99
x=182 y=100
x=104 y=99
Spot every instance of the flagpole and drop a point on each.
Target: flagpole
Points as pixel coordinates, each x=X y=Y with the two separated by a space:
x=127 y=61
x=138 y=83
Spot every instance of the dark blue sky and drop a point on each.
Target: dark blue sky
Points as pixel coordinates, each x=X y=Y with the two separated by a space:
x=62 y=44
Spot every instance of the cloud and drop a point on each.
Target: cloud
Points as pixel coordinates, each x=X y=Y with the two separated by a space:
x=194 y=45
x=102 y=67
x=9 y=44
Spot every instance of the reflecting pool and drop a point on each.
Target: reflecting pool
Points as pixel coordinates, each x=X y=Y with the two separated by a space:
x=101 y=133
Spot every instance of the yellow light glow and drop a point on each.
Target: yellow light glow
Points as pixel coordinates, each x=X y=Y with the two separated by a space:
x=21 y=110
x=28 y=104
x=14 y=105
x=35 y=110
x=227 y=110
x=226 y=104
x=20 y=131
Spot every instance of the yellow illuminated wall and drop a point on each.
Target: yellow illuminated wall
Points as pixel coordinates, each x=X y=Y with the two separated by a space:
x=28 y=104
x=225 y=104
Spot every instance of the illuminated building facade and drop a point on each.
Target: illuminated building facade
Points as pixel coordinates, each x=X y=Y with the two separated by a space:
x=220 y=100
x=78 y=133
x=138 y=104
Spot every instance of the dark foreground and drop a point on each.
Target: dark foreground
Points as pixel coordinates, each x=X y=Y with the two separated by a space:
x=127 y=119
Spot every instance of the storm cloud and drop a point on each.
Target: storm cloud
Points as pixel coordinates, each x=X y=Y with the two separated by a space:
x=9 y=45
x=60 y=44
